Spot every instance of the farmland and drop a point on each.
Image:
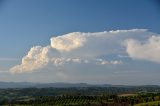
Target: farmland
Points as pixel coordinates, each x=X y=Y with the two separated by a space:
x=81 y=96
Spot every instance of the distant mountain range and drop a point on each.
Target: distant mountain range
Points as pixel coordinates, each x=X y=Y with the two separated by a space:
x=56 y=85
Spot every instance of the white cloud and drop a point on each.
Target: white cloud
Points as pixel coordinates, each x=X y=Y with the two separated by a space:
x=123 y=56
x=68 y=42
x=35 y=59
x=64 y=61
x=145 y=50
x=90 y=48
x=116 y=62
x=105 y=62
x=90 y=45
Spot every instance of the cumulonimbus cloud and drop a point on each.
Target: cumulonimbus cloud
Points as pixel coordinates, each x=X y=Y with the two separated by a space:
x=35 y=59
x=86 y=48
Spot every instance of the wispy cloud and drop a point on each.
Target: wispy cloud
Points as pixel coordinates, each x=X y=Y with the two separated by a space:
x=8 y=59
x=4 y=71
x=126 y=72
x=123 y=56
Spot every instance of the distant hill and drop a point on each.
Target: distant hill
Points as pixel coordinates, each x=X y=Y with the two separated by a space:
x=58 y=85
x=46 y=85
x=16 y=84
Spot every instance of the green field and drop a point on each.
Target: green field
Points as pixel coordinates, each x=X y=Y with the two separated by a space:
x=154 y=103
x=84 y=96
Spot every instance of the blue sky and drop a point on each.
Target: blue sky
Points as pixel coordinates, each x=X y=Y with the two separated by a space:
x=34 y=22
x=28 y=23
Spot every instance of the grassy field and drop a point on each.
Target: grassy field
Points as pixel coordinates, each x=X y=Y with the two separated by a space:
x=155 y=103
x=127 y=94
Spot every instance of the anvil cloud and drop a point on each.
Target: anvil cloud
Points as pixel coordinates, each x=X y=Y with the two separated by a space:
x=92 y=48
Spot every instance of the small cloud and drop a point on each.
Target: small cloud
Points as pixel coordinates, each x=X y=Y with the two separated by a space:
x=123 y=56
x=105 y=62
x=116 y=62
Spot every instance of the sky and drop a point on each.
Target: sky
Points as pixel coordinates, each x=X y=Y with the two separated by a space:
x=90 y=41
